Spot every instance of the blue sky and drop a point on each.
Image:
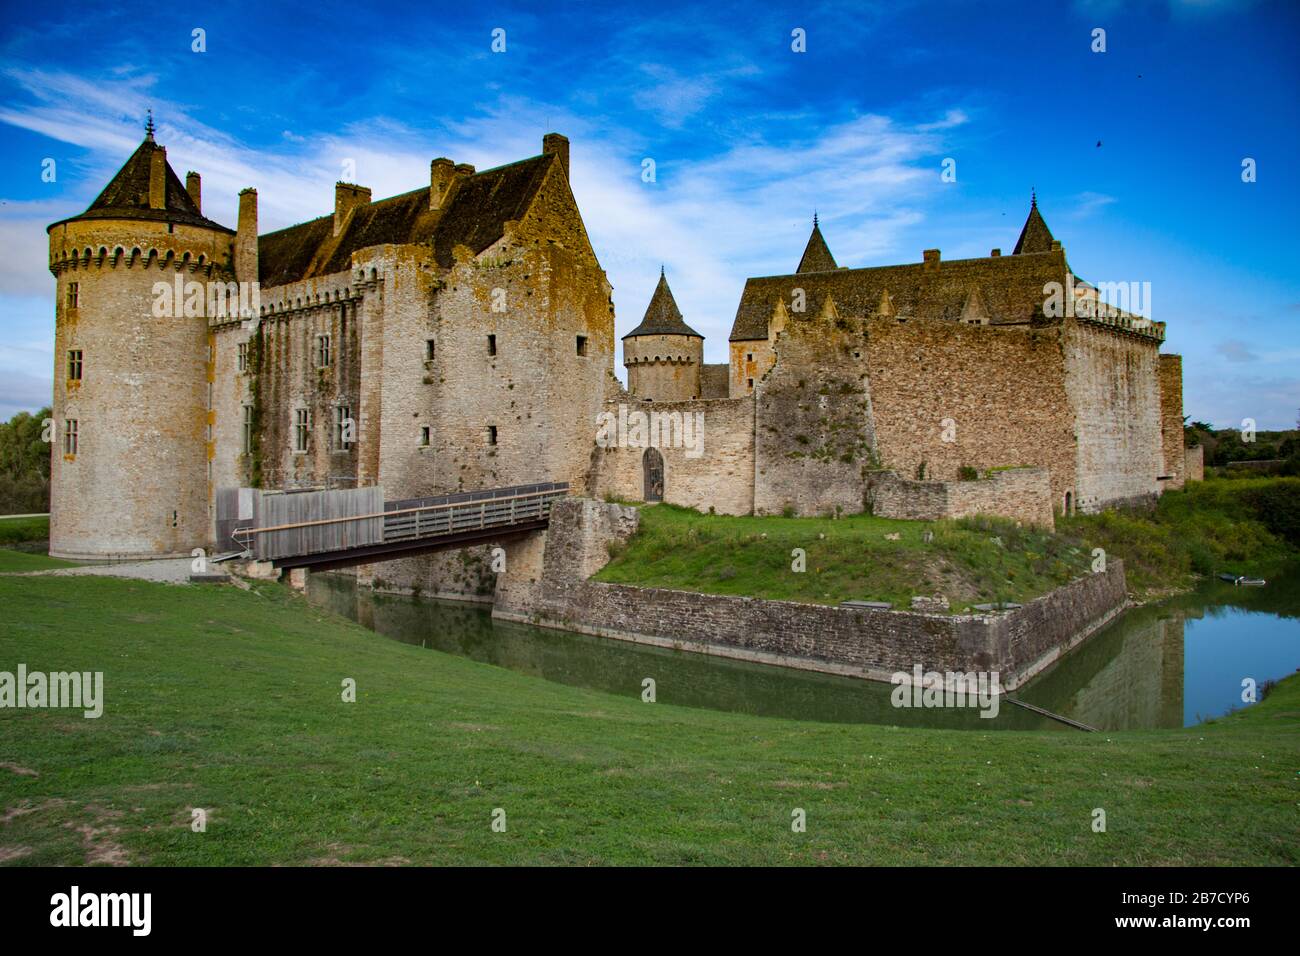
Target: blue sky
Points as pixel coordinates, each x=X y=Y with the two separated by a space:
x=748 y=138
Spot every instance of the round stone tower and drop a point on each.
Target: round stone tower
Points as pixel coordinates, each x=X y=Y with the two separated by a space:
x=663 y=355
x=130 y=444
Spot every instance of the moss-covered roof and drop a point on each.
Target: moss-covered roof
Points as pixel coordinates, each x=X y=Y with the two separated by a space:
x=479 y=209
x=127 y=194
x=816 y=255
x=1009 y=288
x=662 y=317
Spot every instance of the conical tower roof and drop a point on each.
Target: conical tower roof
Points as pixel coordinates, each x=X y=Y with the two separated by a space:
x=1035 y=237
x=127 y=194
x=817 y=255
x=662 y=317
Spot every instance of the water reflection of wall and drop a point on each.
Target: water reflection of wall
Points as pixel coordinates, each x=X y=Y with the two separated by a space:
x=1128 y=677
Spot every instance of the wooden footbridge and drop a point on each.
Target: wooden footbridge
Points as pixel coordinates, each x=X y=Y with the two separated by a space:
x=322 y=530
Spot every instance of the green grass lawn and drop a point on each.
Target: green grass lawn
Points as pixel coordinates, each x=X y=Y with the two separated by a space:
x=18 y=530
x=230 y=701
x=11 y=561
x=970 y=561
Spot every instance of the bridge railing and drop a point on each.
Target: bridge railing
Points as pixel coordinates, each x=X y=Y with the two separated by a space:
x=448 y=514
x=404 y=520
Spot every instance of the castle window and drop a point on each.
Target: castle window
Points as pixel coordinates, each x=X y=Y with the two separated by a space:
x=749 y=357
x=749 y=382
x=242 y=358
x=582 y=345
x=343 y=427
x=425 y=433
x=74 y=365
x=73 y=294
x=248 y=429
x=492 y=345
x=492 y=434
x=69 y=436
x=301 y=430
x=430 y=349
x=322 y=350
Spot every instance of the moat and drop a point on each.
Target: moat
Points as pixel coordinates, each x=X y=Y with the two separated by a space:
x=1166 y=665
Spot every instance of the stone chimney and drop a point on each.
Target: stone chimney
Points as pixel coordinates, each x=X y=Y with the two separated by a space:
x=464 y=169
x=158 y=178
x=194 y=186
x=557 y=145
x=995 y=253
x=246 y=237
x=931 y=259
x=346 y=198
x=442 y=176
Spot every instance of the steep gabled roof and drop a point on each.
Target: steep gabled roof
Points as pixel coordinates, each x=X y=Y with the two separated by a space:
x=127 y=194
x=479 y=209
x=1011 y=290
x=662 y=317
x=816 y=255
x=1035 y=237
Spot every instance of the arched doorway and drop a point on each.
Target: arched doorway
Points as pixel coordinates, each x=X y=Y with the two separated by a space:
x=1069 y=502
x=652 y=465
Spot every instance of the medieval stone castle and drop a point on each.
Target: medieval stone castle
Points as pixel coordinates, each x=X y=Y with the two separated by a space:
x=460 y=336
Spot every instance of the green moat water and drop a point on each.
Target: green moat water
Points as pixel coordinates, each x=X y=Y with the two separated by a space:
x=1171 y=664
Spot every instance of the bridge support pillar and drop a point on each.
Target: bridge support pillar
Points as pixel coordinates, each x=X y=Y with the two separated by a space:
x=298 y=578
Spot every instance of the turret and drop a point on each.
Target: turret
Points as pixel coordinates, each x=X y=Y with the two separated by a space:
x=663 y=355
x=129 y=469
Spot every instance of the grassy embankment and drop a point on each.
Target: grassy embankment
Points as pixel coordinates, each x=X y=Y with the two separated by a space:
x=1240 y=525
x=19 y=530
x=230 y=701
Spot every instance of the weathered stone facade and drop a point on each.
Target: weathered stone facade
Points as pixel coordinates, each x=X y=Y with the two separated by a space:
x=1021 y=494
x=461 y=336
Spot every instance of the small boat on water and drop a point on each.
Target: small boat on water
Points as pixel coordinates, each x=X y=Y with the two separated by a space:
x=1241 y=580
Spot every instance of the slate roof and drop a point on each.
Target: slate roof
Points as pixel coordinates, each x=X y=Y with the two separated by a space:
x=127 y=195
x=816 y=255
x=1035 y=236
x=480 y=207
x=1010 y=289
x=662 y=317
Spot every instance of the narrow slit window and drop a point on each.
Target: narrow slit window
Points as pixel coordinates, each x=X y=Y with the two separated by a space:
x=301 y=429
x=322 y=350
x=430 y=350
x=750 y=382
x=248 y=429
x=492 y=434
x=344 y=427
x=425 y=434
x=74 y=294
x=492 y=345
x=69 y=436
x=242 y=357
x=582 y=345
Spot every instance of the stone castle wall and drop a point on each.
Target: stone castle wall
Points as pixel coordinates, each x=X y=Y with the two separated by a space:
x=997 y=392
x=857 y=642
x=1171 y=421
x=664 y=368
x=1194 y=469
x=1021 y=494
x=720 y=478
x=138 y=482
x=1113 y=383
x=813 y=431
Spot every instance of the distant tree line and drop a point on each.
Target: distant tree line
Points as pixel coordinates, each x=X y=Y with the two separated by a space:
x=1225 y=445
x=24 y=464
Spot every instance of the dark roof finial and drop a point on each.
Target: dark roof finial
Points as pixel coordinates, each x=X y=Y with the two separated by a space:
x=814 y=218
x=661 y=270
x=148 y=126
x=1033 y=198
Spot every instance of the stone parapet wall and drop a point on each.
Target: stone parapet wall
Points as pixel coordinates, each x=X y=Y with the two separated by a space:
x=1021 y=494
x=859 y=642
